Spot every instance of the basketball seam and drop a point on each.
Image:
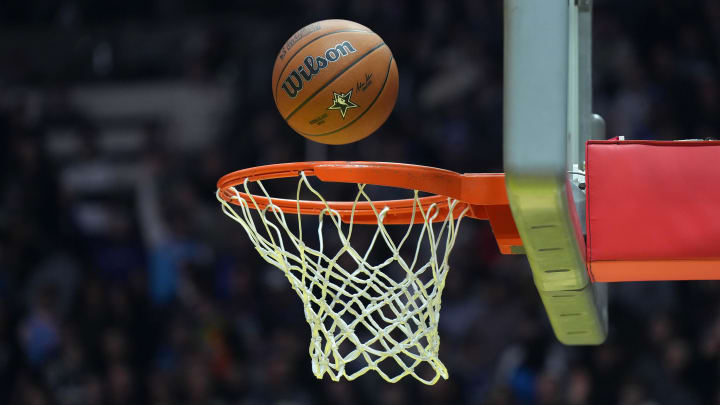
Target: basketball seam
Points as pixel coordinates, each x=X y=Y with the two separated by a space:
x=277 y=84
x=340 y=73
x=387 y=75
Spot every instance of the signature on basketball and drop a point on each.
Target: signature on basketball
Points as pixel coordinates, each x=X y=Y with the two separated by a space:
x=363 y=85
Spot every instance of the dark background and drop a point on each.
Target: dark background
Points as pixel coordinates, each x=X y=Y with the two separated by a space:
x=121 y=282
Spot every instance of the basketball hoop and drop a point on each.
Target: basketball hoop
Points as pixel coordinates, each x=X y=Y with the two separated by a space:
x=384 y=316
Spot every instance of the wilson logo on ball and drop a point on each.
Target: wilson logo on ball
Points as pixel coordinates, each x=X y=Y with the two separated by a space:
x=294 y=81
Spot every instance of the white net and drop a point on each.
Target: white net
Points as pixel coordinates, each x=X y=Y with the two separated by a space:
x=362 y=316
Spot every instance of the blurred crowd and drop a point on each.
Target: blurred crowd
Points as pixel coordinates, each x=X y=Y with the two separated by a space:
x=122 y=283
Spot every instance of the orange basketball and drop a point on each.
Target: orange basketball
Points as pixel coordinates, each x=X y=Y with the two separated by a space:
x=335 y=82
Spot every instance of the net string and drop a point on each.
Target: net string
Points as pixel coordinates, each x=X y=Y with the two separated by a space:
x=338 y=301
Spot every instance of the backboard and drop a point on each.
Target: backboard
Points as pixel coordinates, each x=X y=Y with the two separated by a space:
x=547 y=119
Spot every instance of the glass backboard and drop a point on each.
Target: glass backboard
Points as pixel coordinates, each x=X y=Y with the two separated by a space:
x=547 y=119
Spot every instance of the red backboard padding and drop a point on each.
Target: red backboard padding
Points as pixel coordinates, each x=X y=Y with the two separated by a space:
x=653 y=210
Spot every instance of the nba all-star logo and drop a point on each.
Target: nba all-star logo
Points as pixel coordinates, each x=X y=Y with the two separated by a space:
x=342 y=102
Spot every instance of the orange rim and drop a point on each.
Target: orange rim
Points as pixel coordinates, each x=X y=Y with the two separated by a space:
x=470 y=189
x=482 y=194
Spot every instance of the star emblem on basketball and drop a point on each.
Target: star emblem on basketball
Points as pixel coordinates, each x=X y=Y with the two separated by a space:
x=342 y=102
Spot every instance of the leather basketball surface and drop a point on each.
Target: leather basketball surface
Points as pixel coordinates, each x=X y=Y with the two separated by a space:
x=335 y=82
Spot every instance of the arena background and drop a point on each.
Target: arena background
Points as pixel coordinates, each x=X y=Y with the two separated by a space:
x=122 y=283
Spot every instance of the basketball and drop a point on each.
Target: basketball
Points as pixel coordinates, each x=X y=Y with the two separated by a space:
x=335 y=82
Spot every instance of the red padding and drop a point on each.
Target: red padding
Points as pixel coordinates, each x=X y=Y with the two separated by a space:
x=653 y=202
